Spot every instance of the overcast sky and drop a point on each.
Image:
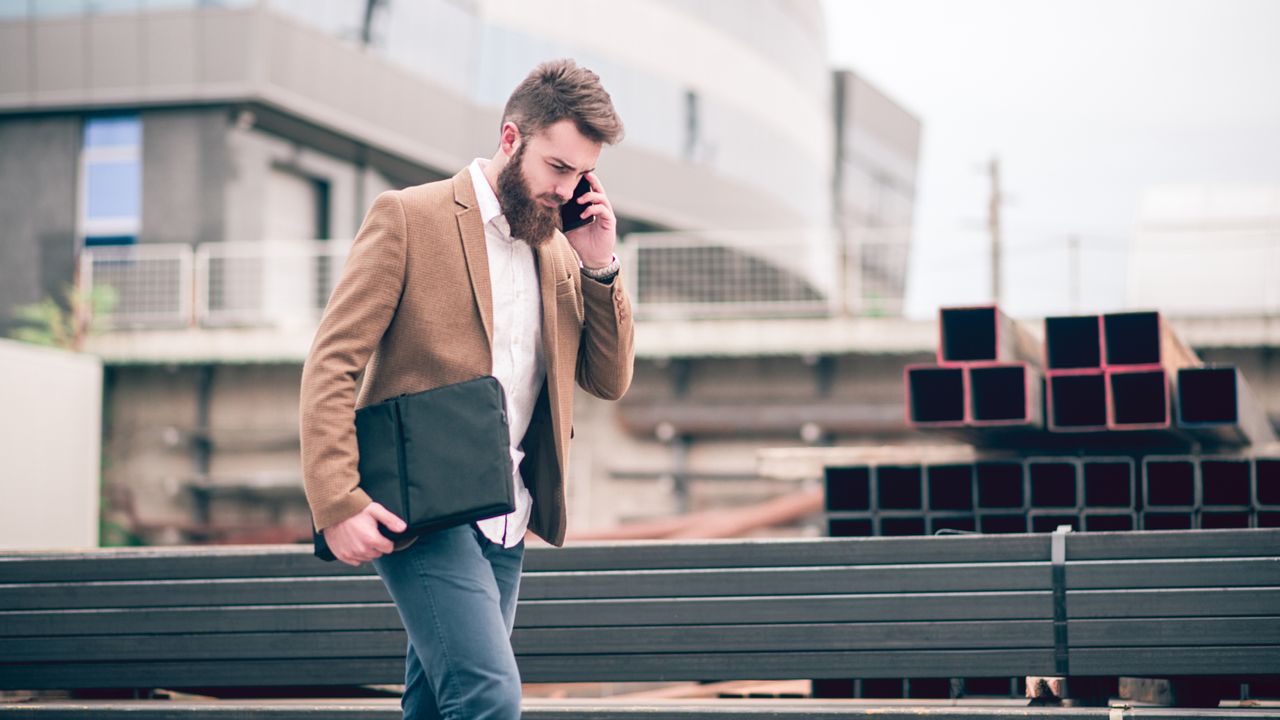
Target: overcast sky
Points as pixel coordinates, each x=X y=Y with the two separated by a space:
x=1086 y=103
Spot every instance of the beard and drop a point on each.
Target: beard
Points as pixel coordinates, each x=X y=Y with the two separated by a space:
x=530 y=221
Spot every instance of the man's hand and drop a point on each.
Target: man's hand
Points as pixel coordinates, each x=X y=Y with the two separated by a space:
x=357 y=540
x=594 y=243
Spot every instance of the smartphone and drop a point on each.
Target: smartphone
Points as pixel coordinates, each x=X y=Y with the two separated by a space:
x=570 y=211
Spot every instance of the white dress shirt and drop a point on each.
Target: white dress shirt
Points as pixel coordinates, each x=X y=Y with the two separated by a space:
x=518 y=363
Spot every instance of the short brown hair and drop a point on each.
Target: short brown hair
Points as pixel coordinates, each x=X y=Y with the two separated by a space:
x=563 y=90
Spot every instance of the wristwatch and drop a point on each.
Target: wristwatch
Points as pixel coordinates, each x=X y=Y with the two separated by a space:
x=605 y=274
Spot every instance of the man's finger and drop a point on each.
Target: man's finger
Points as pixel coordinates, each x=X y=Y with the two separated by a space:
x=388 y=518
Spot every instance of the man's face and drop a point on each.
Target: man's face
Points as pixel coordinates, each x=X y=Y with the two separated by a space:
x=541 y=176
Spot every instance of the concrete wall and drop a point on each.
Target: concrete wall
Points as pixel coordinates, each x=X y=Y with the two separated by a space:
x=50 y=438
x=185 y=169
x=39 y=157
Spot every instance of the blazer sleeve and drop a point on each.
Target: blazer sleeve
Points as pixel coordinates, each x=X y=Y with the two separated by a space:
x=606 y=352
x=358 y=313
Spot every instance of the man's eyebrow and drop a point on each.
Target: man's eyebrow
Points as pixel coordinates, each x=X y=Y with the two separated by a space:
x=568 y=164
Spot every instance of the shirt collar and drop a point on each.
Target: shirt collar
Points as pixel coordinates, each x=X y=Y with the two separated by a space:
x=488 y=201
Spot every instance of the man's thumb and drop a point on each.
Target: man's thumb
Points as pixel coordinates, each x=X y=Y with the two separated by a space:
x=388 y=518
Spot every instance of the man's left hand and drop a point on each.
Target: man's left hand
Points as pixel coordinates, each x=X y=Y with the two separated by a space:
x=594 y=243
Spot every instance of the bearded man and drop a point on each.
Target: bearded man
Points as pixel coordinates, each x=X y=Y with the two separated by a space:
x=447 y=282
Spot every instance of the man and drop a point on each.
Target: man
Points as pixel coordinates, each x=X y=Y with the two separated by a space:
x=446 y=282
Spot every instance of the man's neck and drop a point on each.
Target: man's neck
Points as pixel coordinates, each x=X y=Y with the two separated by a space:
x=492 y=171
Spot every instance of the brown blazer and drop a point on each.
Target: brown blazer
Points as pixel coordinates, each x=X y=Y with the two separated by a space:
x=414 y=310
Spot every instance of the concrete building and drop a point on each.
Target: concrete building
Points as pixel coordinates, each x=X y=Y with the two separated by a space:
x=210 y=161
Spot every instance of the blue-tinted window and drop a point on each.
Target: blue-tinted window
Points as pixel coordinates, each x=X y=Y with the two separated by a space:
x=122 y=132
x=111 y=206
x=113 y=190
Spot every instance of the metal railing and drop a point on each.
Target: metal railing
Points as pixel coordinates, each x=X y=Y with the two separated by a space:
x=276 y=284
x=152 y=283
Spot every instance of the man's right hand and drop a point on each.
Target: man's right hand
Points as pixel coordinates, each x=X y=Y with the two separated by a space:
x=357 y=539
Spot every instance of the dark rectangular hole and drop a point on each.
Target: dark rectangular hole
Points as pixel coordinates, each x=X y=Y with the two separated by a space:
x=882 y=687
x=968 y=334
x=832 y=688
x=1266 y=473
x=1166 y=521
x=998 y=393
x=1207 y=395
x=1108 y=484
x=950 y=487
x=929 y=688
x=1049 y=523
x=1132 y=338
x=1140 y=398
x=1225 y=482
x=848 y=488
x=1072 y=342
x=849 y=527
x=999 y=484
x=1217 y=520
x=1078 y=400
x=988 y=686
x=967 y=524
x=898 y=487
x=901 y=526
x=1053 y=484
x=935 y=394
x=1003 y=523
x=1170 y=482
x=1107 y=523
x=1269 y=519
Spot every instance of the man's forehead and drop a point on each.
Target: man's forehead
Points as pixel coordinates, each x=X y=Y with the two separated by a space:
x=563 y=143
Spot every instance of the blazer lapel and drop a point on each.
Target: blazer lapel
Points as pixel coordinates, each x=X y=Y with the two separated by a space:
x=474 y=247
x=545 y=256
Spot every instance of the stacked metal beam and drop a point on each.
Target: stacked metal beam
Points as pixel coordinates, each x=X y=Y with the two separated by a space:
x=1037 y=494
x=1108 y=381
x=987 y=374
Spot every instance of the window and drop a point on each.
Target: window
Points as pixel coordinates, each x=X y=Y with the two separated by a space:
x=111 y=180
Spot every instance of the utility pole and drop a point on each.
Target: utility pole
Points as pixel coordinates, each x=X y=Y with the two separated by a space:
x=993 y=223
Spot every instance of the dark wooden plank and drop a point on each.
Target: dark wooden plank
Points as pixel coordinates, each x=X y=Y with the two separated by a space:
x=586 y=585
x=383 y=616
x=800 y=608
x=173 y=593
x=1154 y=544
x=1155 y=632
x=784 y=666
x=190 y=562
x=953 y=577
x=784 y=637
x=787 y=552
x=196 y=673
x=1191 y=602
x=1208 y=572
x=581 y=641
x=124 y=621
x=1189 y=660
x=171 y=563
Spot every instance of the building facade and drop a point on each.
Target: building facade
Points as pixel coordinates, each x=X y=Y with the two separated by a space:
x=210 y=161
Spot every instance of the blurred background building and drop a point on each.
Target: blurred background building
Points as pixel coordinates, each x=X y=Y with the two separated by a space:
x=210 y=161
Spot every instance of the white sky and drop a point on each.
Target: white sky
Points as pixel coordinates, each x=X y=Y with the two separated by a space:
x=1086 y=102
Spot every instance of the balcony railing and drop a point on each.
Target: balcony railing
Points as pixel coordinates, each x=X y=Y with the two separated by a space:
x=670 y=276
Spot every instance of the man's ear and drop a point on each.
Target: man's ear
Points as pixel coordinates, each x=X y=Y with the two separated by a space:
x=509 y=140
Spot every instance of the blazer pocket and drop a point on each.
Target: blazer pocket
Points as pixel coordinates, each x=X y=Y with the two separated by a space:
x=568 y=298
